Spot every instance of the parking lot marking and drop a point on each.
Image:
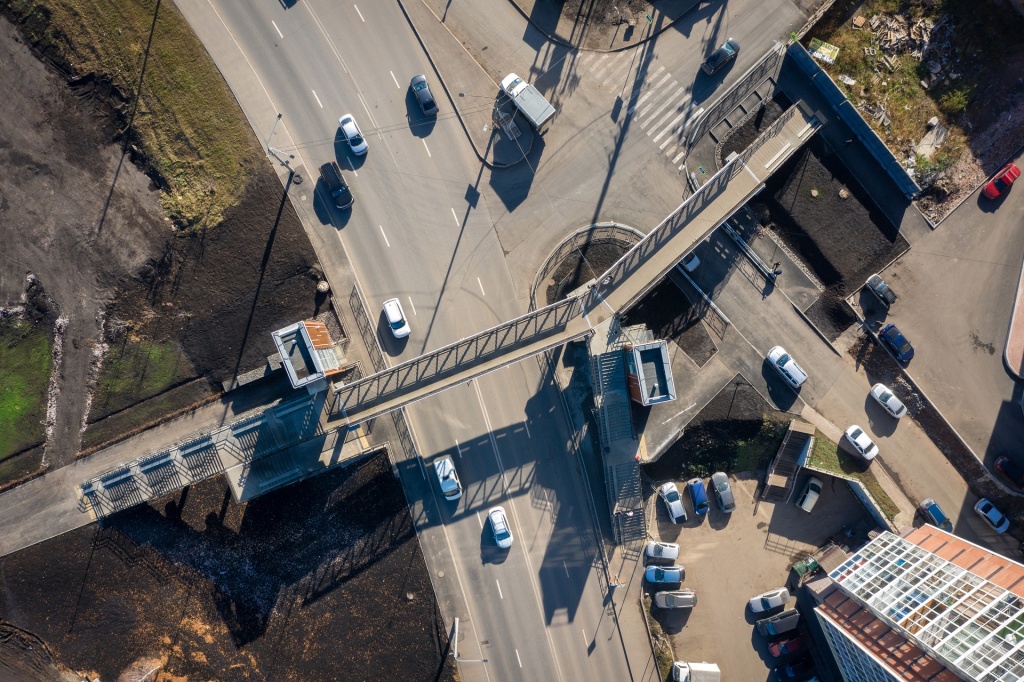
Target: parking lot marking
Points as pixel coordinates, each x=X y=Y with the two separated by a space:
x=481 y=286
x=500 y=595
x=385 y=236
x=460 y=451
x=359 y=13
x=413 y=306
x=276 y=28
x=395 y=79
x=317 y=99
x=527 y=429
x=428 y=149
x=519 y=659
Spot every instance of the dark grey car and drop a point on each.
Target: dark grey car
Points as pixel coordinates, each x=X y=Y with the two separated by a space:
x=421 y=89
x=722 y=56
x=779 y=623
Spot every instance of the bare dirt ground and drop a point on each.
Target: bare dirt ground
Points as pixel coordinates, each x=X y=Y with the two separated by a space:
x=320 y=581
x=669 y=315
x=87 y=223
x=587 y=262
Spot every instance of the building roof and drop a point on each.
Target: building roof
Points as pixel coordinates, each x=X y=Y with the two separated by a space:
x=933 y=599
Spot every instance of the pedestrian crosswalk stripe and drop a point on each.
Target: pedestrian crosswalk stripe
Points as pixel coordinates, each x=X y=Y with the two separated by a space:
x=657 y=112
x=674 y=123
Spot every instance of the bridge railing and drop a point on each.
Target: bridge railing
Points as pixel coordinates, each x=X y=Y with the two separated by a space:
x=461 y=355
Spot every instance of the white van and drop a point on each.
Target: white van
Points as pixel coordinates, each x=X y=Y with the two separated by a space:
x=449 y=480
x=810 y=495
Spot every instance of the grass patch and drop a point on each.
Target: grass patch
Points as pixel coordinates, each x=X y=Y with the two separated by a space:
x=26 y=362
x=733 y=446
x=188 y=125
x=136 y=370
x=827 y=456
x=663 y=654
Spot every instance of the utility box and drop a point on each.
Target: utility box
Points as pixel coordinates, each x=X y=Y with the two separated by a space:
x=649 y=373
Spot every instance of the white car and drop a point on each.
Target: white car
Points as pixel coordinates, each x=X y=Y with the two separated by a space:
x=396 y=318
x=448 y=478
x=678 y=599
x=861 y=442
x=354 y=136
x=993 y=517
x=691 y=262
x=767 y=601
x=884 y=395
x=499 y=526
x=673 y=502
x=786 y=366
x=662 y=551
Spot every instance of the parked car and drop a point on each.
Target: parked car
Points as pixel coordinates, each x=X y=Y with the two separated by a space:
x=678 y=599
x=882 y=291
x=787 y=646
x=662 y=551
x=396 y=318
x=673 y=502
x=698 y=496
x=448 y=478
x=772 y=599
x=933 y=513
x=809 y=497
x=1001 y=181
x=779 y=623
x=861 y=442
x=723 y=492
x=421 y=89
x=691 y=262
x=897 y=343
x=330 y=172
x=992 y=516
x=798 y=670
x=1010 y=472
x=354 y=136
x=664 y=574
x=889 y=402
x=720 y=57
x=499 y=526
x=786 y=366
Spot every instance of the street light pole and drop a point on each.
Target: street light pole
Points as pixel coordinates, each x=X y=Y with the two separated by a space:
x=276 y=152
x=455 y=648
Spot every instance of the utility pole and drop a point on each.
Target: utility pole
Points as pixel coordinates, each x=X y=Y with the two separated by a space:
x=276 y=153
x=455 y=648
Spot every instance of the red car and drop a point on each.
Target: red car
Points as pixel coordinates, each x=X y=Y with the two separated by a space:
x=1002 y=181
x=785 y=647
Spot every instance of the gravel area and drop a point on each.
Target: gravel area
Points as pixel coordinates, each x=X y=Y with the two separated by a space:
x=669 y=315
x=757 y=122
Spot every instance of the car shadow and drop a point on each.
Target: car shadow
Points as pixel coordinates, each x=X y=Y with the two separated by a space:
x=419 y=125
x=779 y=391
x=672 y=621
x=326 y=212
x=986 y=205
x=873 y=309
x=718 y=519
x=881 y=422
x=346 y=159
x=391 y=345
x=490 y=553
x=859 y=462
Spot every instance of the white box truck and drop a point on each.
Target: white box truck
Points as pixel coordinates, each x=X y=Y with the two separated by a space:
x=695 y=672
x=528 y=100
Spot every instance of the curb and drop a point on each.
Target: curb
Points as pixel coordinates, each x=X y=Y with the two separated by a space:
x=813 y=326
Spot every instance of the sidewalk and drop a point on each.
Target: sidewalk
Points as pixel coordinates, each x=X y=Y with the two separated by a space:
x=1013 y=356
x=471 y=91
x=586 y=31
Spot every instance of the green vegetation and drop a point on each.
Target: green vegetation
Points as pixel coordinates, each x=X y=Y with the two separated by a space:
x=663 y=654
x=25 y=364
x=826 y=455
x=732 y=446
x=136 y=370
x=188 y=125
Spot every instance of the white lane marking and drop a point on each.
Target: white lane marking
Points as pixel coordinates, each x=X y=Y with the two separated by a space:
x=680 y=106
x=598 y=66
x=586 y=60
x=527 y=429
x=353 y=169
x=395 y=79
x=519 y=659
x=385 y=236
x=359 y=13
x=317 y=99
x=479 y=519
x=674 y=122
x=566 y=569
x=678 y=156
x=500 y=595
x=585 y=642
x=276 y=28
x=427 y=148
x=412 y=305
x=651 y=91
x=657 y=112
x=481 y=286
x=677 y=414
x=460 y=454
x=454 y=215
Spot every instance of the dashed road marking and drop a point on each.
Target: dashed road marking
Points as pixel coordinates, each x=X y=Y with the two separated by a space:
x=276 y=28
x=426 y=147
x=412 y=305
x=395 y=79
x=359 y=13
x=385 y=236
x=317 y=99
x=481 y=286
x=500 y=595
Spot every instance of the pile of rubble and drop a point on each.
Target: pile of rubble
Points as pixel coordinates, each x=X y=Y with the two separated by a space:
x=923 y=40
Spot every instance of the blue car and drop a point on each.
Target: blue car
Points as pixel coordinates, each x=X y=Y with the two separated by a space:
x=934 y=515
x=698 y=496
x=897 y=343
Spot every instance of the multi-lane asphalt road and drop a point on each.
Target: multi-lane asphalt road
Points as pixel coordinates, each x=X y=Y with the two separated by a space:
x=423 y=229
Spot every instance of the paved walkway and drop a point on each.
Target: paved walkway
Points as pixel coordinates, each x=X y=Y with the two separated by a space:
x=1014 y=353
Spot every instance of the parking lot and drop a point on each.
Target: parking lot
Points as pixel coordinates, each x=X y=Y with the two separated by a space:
x=732 y=557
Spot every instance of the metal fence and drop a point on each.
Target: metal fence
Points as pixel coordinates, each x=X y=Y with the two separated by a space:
x=459 y=357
